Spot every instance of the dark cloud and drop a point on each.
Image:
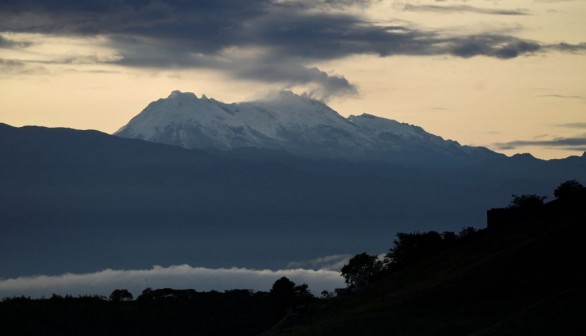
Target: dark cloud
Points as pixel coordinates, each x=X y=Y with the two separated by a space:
x=499 y=46
x=567 y=47
x=10 y=63
x=303 y=37
x=12 y=44
x=574 y=143
x=288 y=35
x=308 y=4
x=463 y=8
x=210 y=26
x=561 y=96
x=325 y=85
x=9 y=67
x=579 y=125
x=205 y=25
x=554 y=1
x=581 y=99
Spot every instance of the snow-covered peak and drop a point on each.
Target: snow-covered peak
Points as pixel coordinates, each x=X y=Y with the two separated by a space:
x=176 y=94
x=287 y=107
x=382 y=125
x=291 y=101
x=283 y=121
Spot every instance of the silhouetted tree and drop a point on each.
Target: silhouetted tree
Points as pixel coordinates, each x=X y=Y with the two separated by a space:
x=283 y=287
x=283 y=293
x=56 y=297
x=302 y=291
x=326 y=295
x=167 y=294
x=568 y=189
x=361 y=267
x=527 y=201
x=412 y=247
x=466 y=232
x=119 y=295
x=449 y=236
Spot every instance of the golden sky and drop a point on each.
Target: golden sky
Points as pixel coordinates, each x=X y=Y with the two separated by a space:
x=508 y=75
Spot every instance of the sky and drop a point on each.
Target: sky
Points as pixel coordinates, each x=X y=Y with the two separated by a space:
x=508 y=75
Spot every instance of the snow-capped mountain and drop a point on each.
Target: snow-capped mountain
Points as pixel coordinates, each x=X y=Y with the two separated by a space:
x=284 y=121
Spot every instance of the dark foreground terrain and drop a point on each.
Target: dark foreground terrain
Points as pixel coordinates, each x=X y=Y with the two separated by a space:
x=169 y=313
x=522 y=275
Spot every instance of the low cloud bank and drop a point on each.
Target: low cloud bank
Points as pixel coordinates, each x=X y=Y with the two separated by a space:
x=327 y=263
x=178 y=276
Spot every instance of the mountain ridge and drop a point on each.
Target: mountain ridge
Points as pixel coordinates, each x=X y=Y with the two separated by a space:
x=285 y=121
x=113 y=202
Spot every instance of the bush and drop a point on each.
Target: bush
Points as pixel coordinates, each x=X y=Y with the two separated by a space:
x=568 y=189
x=526 y=201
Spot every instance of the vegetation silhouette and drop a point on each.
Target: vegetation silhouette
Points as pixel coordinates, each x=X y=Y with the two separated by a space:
x=361 y=269
x=524 y=276
x=285 y=294
x=163 y=311
x=569 y=190
x=119 y=295
x=527 y=201
x=408 y=249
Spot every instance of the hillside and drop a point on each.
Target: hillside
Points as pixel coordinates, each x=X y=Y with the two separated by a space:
x=518 y=280
x=119 y=203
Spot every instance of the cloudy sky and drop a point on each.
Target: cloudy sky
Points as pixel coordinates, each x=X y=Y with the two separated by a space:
x=504 y=74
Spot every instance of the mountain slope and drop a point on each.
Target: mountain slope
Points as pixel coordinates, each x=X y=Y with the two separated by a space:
x=81 y=201
x=288 y=122
x=525 y=280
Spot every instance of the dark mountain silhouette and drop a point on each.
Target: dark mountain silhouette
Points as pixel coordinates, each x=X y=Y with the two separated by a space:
x=520 y=276
x=80 y=201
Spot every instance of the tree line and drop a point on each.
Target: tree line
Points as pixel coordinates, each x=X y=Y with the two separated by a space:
x=164 y=311
x=410 y=248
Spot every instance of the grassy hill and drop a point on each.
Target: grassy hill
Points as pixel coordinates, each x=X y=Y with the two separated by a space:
x=516 y=280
